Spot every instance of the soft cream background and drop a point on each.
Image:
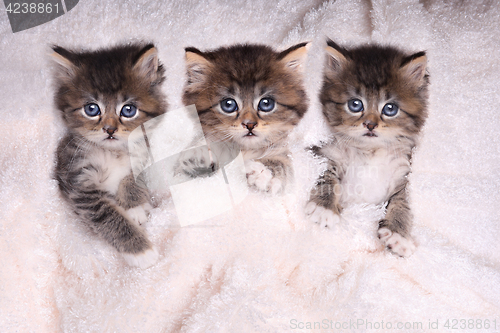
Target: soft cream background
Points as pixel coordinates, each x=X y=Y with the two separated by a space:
x=260 y=266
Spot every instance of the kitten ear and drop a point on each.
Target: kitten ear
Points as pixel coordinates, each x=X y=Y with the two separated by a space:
x=335 y=58
x=147 y=63
x=63 y=59
x=295 y=56
x=196 y=65
x=414 y=68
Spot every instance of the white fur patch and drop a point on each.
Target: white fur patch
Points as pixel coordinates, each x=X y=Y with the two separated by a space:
x=368 y=177
x=396 y=243
x=142 y=260
x=326 y=218
x=110 y=169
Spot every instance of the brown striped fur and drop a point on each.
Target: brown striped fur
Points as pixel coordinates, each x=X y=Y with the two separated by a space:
x=370 y=150
x=248 y=73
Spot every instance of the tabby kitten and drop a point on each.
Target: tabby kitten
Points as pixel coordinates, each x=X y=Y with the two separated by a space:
x=375 y=103
x=249 y=96
x=102 y=96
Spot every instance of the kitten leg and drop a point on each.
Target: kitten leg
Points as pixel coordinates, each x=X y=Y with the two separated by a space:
x=134 y=197
x=111 y=222
x=269 y=175
x=323 y=207
x=132 y=192
x=394 y=229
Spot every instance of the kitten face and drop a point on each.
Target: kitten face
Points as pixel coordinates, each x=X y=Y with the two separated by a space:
x=374 y=95
x=104 y=95
x=248 y=94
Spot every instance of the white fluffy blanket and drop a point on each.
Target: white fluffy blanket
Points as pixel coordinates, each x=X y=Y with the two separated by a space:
x=261 y=267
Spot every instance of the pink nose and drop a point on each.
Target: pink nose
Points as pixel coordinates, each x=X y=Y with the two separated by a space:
x=109 y=129
x=370 y=125
x=250 y=125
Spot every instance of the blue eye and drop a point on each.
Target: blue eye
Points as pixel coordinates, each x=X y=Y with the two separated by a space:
x=229 y=105
x=355 y=105
x=390 y=109
x=266 y=104
x=128 y=111
x=92 y=110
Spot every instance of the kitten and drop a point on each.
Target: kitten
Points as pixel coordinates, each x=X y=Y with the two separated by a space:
x=102 y=96
x=251 y=97
x=375 y=102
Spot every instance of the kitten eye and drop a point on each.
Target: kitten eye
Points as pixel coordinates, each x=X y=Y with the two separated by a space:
x=128 y=111
x=266 y=104
x=390 y=109
x=92 y=110
x=229 y=105
x=355 y=105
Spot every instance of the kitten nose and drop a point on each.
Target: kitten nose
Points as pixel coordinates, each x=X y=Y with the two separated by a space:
x=250 y=125
x=109 y=129
x=370 y=125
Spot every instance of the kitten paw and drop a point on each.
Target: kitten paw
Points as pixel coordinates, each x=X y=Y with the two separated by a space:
x=195 y=163
x=139 y=214
x=396 y=243
x=326 y=218
x=143 y=259
x=261 y=177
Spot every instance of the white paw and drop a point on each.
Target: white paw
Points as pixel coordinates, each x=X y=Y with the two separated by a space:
x=142 y=260
x=324 y=217
x=399 y=245
x=261 y=177
x=139 y=214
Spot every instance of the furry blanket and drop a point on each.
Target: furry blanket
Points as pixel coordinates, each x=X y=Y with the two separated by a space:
x=260 y=267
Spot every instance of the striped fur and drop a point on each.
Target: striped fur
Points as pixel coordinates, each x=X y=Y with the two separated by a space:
x=247 y=74
x=370 y=151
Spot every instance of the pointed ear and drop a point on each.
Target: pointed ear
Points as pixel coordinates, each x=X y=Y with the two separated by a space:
x=414 y=68
x=197 y=65
x=295 y=57
x=147 y=63
x=335 y=58
x=63 y=59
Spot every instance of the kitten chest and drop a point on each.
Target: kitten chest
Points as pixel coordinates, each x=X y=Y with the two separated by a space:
x=372 y=177
x=106 y=169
